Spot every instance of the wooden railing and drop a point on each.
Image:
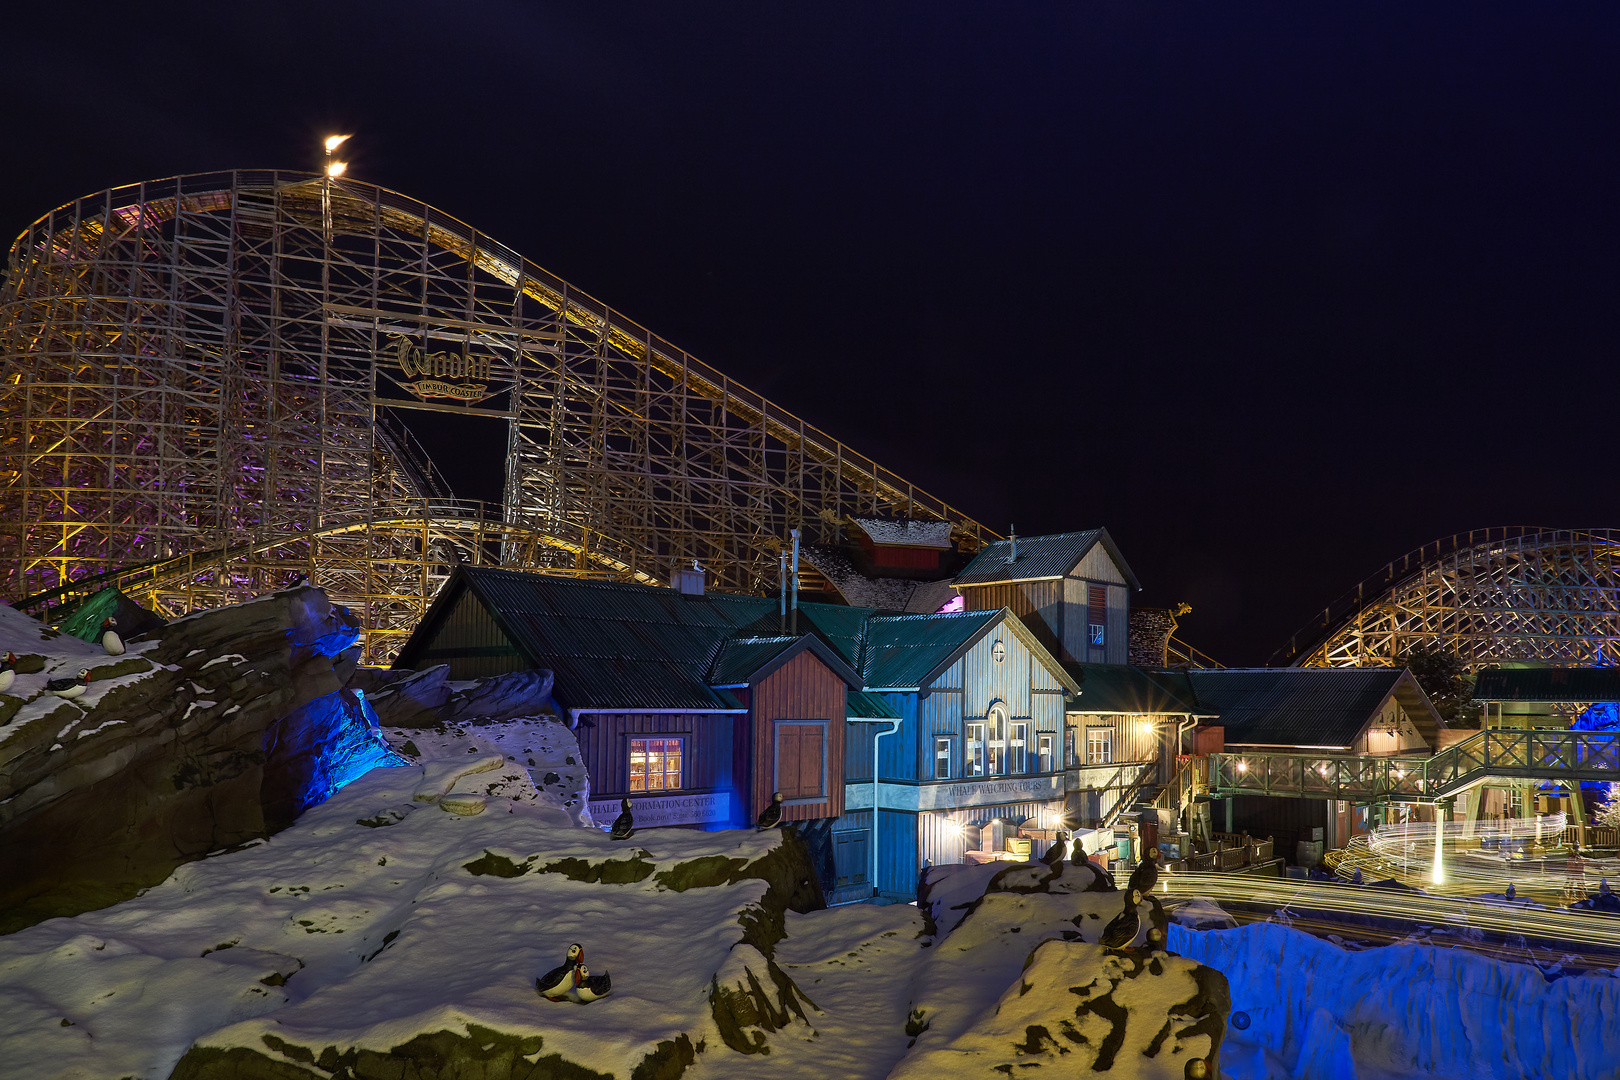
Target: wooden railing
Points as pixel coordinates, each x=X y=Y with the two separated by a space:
x=1548 y=755
x=1232 y=852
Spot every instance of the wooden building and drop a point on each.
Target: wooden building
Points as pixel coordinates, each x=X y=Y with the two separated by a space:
x=1374 y=710
x=895 y=739
x=1071 y=589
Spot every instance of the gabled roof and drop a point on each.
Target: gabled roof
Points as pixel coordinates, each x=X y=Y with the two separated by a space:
x=1041 y=558
x=1548 y=684
x=1114 y=689
x=865 y=705
x=904 y=532
x=902 y=651
x=1309 y=708
x=745 y=660
x=905 y=652
x=615 y=645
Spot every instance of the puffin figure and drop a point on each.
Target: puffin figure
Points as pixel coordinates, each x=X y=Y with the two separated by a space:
x=771 y=816
x=8 y=672
x=1510 y=893
x=110 y=639
x=555 y=984
x=1146 y=874
x=1355 y=878
x=1158 y=925
x=1603 y=882
x=624 y=824
x=588 y=987
x=69 y=688
x=1055 y=853
x=1121 y=930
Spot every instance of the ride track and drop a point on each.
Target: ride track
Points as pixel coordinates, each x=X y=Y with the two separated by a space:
x=204 y=374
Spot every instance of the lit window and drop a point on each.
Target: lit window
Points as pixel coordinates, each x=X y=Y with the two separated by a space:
x=1098 y=634
x=655 y=764
x=996 y=743
x=1044 y=764
x=942 y=759
x=1099 y=746
x=974 y=754
x=1018 y=756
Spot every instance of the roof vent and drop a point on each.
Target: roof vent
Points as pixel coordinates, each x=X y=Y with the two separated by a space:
x=1012 y=545
x=688 y=582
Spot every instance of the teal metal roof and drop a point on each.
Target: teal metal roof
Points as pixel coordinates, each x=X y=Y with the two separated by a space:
x=1548 y=684
x=1308 y=707
x=904 y=650
x=1040 y=557
x=740 y=657
x=869 y=706
x=1107 y=689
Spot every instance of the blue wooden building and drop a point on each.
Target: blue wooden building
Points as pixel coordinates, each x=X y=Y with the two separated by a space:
x=698 y=706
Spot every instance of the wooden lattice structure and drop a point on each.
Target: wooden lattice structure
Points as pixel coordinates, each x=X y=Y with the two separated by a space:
x=201 y=380
x=1509 y=594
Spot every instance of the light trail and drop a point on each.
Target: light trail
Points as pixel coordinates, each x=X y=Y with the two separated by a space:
x=1480 y=857
x=1557 y=925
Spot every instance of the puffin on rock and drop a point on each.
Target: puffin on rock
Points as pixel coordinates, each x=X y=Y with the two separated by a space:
x=588 y=987
x=69 y=688
x=624 y=824
x=1146 y=874
x=1121 y=930
x=1158 y=924
x=555 y=984
x=8 y=672
x=1056 y=852
x=110 y=639
x=771 y=816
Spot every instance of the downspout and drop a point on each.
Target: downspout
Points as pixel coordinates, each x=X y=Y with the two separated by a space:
x=795 y=608
x=894 y=726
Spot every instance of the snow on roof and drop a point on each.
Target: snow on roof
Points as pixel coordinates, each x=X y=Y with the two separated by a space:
x=891 y=532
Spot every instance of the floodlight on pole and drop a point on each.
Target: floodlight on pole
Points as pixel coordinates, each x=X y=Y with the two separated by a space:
x=335 y=141
x=336 y=168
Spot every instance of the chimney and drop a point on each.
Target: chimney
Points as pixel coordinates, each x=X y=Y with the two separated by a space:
x=689 y=582
x=1012 y=544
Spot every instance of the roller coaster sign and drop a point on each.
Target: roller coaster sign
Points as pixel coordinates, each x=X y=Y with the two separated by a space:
x=458 y=376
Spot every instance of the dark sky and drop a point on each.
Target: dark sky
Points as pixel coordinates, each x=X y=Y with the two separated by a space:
x=1276 y=292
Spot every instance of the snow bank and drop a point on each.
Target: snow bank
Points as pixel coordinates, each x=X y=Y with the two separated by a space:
x=1316 y=1010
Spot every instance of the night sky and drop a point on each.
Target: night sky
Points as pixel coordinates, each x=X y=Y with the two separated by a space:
x=1276 y=292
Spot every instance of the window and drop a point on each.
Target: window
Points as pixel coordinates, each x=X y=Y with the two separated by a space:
x=942 y=759
x=1071 y=755
x=851 y=858
x=1044 y=762
x=799 y=760
x=1097 y=615
x=1018 y=751
x=655 y=764
x=1099 y=746
x=996 y=743
x=973 y=754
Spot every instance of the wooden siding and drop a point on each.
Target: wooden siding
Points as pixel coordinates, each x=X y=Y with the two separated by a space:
x=1097 y=565
x=1131 y=743
x=858 y=751
x=1039 y=605
x=468 y=639
x=899 y=752
x=1020 y=680
x=802 y=689
x=707 y=764
x=897 y=853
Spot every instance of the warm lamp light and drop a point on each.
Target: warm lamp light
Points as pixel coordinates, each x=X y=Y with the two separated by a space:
x=335 y=141
x=336 y=168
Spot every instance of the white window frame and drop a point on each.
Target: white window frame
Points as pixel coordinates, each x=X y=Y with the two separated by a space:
x=1044 y=760
x=1099 y=746
x=996 y=740
x=974 y=757
x=663 y=755
x=942 y=754
x=1018 y=747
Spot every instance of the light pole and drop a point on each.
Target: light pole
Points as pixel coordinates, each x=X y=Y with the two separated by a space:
x=333 y=169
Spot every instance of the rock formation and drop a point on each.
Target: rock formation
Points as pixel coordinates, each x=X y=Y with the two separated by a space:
x=219 y=731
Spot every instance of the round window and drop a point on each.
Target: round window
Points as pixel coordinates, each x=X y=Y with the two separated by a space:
x=999 y=651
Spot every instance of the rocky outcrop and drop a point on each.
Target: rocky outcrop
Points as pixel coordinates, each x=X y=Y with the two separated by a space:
x=216 y=733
